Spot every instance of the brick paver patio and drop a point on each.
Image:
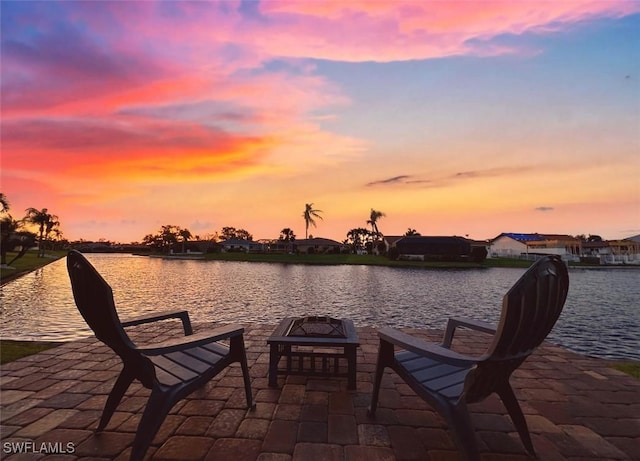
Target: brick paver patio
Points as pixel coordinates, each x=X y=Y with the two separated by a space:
x=577 y=408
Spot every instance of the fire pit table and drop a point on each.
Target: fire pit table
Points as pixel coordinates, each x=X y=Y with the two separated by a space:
x=313 y=346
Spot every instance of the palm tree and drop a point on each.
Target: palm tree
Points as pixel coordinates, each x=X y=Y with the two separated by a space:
x=287 y=235
x=373 y=220
x=4 y=203
x=185 y=235
x=8 y=228
x=411 y=233
x=45 y=222
x=12 y=238
x=308 y=215
x=358 y=238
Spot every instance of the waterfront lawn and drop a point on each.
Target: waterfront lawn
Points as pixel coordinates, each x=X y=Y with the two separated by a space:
x=630 y=368
x=13 y=350
x=333 y=259
x=27 y=263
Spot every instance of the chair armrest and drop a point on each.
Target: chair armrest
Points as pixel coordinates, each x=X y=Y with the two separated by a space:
x=182 y=315
x=199 y=339
x=454 y=322
x=423 y=348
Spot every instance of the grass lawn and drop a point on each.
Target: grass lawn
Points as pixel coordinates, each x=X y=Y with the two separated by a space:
x=13 y=350
x=27 y=263
x=329 y=259
x=630 y=368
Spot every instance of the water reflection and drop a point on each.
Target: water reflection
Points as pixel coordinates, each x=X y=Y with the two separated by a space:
x=601 y=316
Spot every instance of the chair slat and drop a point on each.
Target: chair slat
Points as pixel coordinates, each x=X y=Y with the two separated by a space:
x=446 y=381
x=204 y=354
x=217 y=348
x=167 y=379
x=414 y=362
x=453 y=392
x=176 y=369
x=190 y=361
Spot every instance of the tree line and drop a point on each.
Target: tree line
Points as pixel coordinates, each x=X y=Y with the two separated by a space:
x=16 y=236
x=361 y=238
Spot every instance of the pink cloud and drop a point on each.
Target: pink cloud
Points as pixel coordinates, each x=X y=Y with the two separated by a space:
x=388 y=31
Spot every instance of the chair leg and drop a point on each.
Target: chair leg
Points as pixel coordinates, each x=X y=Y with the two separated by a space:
x=119 y=388
x=385 y=358
x=463 y=434
x=515 y=412
x=237 y=344
x=154 y=414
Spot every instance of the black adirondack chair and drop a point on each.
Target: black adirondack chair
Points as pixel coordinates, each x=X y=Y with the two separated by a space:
x=449 y=381
x=171 y=369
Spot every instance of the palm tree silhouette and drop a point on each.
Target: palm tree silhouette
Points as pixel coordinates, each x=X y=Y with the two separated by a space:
x=373 y=220
x=4 y=203
x=308 y=215
x=287 y=236
x=45 y=222
x=185 y=235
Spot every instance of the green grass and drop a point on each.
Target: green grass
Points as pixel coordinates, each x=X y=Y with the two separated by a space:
x=506 y=262
x=630 y=368
x=333 y=259
x=13 y=350
x=27 y=263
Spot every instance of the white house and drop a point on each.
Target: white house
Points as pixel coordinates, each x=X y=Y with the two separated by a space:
x=514 y=245
x=239 y=245
x=511 y=245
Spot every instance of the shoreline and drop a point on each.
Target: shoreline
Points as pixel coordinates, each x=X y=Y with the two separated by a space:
x=29 y=263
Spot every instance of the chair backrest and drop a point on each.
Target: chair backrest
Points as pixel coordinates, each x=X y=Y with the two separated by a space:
x=530 y=309
x=94 y=300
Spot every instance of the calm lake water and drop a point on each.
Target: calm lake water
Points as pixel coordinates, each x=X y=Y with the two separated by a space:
x=601 y=317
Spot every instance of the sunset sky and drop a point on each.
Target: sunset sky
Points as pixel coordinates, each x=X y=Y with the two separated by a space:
x=453 y=118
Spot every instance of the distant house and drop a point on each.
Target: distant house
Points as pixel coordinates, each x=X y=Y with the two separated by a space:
x=239 y=245
x=197 y=246
x=425 y=248
x=592 y=252
x=390 y=241
x=635 y=238
x=625 y=251
x=516 y=245
x=512 y=245
x=318 y=245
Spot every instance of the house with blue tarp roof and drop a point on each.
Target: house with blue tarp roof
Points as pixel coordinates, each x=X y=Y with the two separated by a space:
x=516 y=245
x=523 y=237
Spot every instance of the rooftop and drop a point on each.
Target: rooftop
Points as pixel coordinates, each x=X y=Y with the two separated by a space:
x=576 y=408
